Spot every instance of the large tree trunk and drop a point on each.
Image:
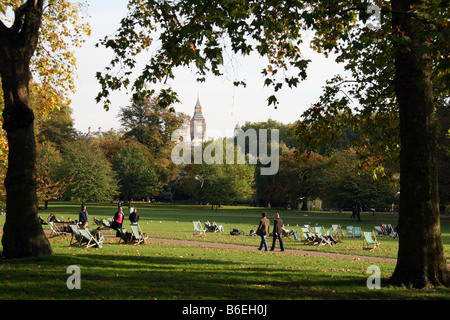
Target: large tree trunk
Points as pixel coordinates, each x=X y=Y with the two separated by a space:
x=421 y=261
x=22 y=233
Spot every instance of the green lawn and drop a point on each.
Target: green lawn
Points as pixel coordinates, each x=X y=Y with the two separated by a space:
x=165 y=271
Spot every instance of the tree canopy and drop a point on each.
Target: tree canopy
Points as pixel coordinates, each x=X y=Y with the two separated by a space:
x=397 y=69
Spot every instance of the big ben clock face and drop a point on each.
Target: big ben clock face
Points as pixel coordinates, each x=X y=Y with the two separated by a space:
x=199 y=129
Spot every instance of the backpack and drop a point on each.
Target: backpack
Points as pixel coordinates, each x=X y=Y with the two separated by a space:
x=236 y=232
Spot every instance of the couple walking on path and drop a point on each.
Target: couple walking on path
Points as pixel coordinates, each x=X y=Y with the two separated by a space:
x=263 y=231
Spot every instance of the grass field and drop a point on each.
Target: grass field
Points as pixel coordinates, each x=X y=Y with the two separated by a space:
x=163 y=270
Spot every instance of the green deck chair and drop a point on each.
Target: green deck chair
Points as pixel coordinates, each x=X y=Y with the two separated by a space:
x=357 y=232
x=123 y=235
x=349 y=231
x=198 y=229
x=335 y=231
x=90 y=239
x=55 y=232
x=137 y=235
x=370 y=240
x=320 y=236
x=318 y=230
x=77 y=237
x=389 y=229
x=308 y=235
x=379 y=230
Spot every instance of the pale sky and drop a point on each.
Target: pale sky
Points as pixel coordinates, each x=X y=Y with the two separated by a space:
x=223 y=104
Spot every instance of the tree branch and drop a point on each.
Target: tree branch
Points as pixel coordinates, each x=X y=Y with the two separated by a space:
x=31 y=12
x=407 y=13
x=19 y=13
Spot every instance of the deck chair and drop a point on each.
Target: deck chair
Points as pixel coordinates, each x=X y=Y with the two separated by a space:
x=357 y=232
x=198 y=229
x=319 y=230
x=106 y=223
x=55 y=232
x=349 y=231
x=97 y=222
x=389 y=229
x=335 y=231
x=211 y=226
x=322 y=239
x=308 y=236
x=137 y=235
x=379 y=231
x=77 y=237
x=288 y=233
x=370 y=240
x=89 y=238
x=123 y=235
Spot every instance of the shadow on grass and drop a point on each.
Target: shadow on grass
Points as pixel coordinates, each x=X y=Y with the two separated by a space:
x=130 y=276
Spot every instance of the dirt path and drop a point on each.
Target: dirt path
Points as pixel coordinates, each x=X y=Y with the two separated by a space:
x=252 y=248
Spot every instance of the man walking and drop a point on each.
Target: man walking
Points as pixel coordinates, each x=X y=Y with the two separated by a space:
x=277 y=232
x=263 y=230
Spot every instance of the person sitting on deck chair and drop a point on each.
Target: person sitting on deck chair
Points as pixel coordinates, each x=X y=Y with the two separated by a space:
x=286 y=232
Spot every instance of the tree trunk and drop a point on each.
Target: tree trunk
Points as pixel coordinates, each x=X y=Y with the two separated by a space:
x=421 y=261
x=22 y=233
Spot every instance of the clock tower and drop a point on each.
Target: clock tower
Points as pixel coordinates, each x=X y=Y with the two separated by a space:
x=198 y=125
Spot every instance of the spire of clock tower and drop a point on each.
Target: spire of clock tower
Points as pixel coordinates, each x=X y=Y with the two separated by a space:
x=198 y=124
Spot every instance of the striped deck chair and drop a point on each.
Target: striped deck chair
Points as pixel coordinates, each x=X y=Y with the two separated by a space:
x=335 y=231
x=55 y=232
x=137 y=235
x=357 y=232
x=123 y=235
x=198 y=228
x=309 y=237
x=323 y=240
x=370 y=240
x=90 y=239
x=349 y=232
x=77 y=237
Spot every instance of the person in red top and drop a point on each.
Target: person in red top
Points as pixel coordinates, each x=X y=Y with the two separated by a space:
x=117 y=221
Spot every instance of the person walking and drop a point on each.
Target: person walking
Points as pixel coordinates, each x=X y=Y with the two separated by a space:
x=263 y=231
x=358 y=212
x=277 y=232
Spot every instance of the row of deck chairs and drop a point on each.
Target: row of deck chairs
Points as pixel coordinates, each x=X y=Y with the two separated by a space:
x=136 y=236
x=318 y=236
x=369 y=238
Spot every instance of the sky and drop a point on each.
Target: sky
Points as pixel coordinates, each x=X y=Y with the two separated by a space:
x=223 y=104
